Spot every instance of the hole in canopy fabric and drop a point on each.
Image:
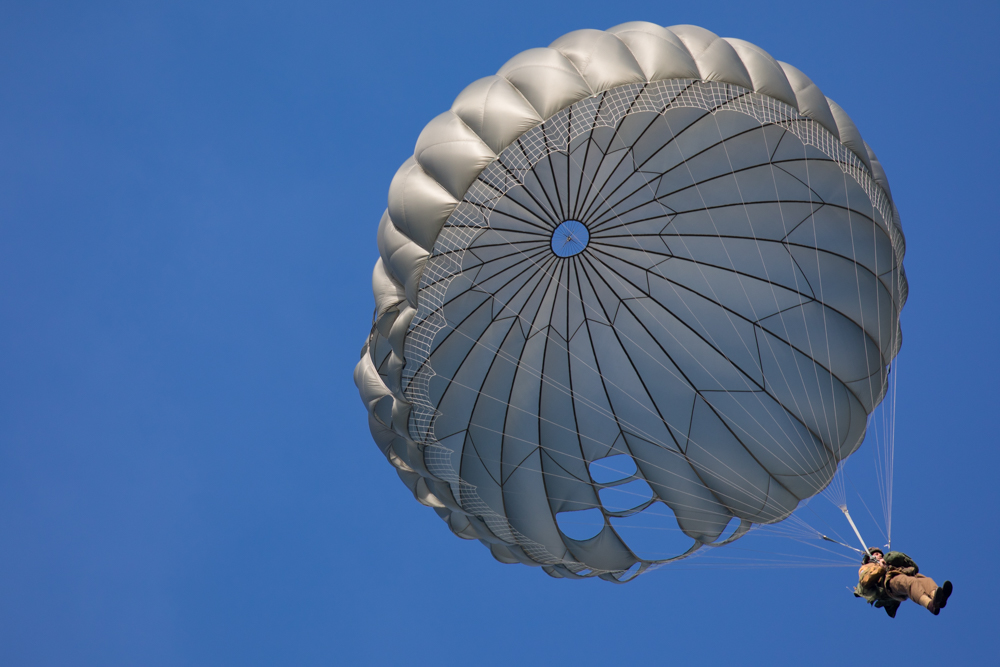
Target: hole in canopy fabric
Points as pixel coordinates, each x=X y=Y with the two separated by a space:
x=570 y=238
x=581 y=525
x=612 y=468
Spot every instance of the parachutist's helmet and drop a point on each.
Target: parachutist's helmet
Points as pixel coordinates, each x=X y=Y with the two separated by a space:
x=868 y=556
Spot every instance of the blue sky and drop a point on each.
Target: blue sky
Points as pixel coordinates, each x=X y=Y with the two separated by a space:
x=189 y=194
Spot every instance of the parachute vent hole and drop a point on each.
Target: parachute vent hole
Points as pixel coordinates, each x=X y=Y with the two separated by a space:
x=626 y=496
x=582 y=524
x=612 y=469
x=652 y=534
x=570 y=238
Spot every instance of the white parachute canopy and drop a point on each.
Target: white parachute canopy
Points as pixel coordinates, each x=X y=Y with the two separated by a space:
x=644 y=278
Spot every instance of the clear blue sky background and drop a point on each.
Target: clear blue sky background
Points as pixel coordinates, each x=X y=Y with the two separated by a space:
x=189 y=193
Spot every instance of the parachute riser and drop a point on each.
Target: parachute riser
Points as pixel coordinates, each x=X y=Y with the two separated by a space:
x=843 y=508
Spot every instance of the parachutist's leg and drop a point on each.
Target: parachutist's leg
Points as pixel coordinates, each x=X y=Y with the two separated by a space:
x=918 y=588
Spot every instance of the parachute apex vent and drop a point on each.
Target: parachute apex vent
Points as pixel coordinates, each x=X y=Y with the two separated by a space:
x=570 y=238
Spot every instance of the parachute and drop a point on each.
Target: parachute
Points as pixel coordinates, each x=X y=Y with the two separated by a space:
x=643 y=274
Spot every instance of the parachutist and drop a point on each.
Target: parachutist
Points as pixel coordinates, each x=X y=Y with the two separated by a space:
x=887 y=580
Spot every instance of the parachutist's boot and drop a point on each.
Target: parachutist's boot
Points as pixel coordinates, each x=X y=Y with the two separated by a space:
x=941 y=595
x=927 y=602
